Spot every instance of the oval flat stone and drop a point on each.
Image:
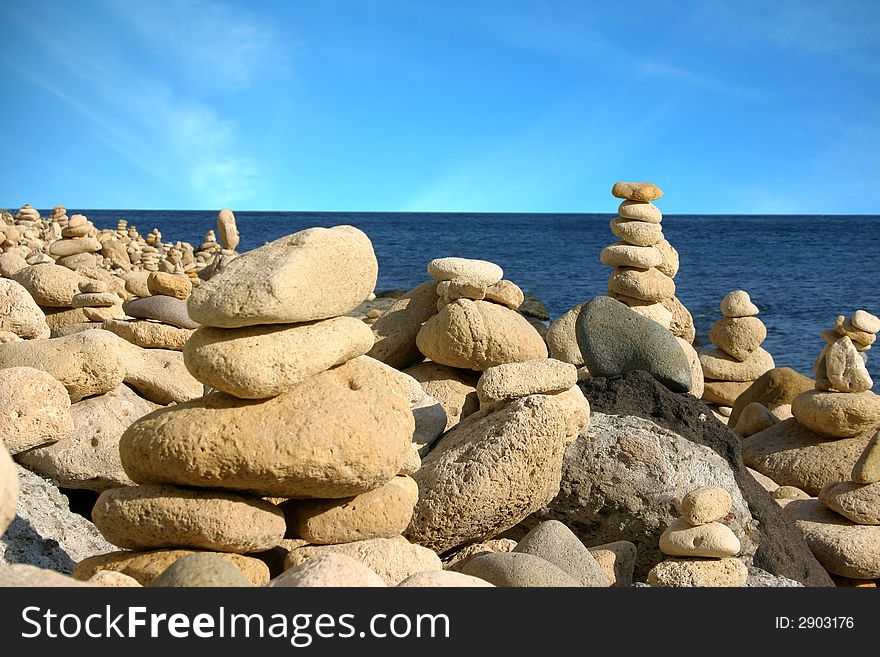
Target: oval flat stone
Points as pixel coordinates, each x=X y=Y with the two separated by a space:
x=723 y=367
x=628 y=255
x=313 y=274
x=151 y=517
x=512 y=380
x=615 y=340
x=638 y=233
x=339 y=433
x=95 y=300
x=167 y=310
x=645 y=284
x=478 y=272
x=640 y=211
x=171 y=285
x=49 y=285
x=724 y=393
x=637 y=191
x=63 y=248
x=681 y=539
x=699 y=573
x=149 y=335
x=837 y=414
x=862 y=320
x=256 y=362
x=858 y=502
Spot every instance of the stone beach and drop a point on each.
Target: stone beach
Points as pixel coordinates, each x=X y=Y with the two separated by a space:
x=180 y=415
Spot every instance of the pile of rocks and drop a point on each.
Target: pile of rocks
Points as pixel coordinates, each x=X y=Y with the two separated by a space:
x=737 y=360
x=703 y=548
x=298 y=414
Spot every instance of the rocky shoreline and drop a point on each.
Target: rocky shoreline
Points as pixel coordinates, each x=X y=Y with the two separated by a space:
x=173 y=415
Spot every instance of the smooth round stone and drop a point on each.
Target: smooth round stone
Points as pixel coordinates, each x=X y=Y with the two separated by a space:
x=86 y=363
x=476 y=272
x=454 y=389
x=201 y=570
x=862 y=320
x=840 y=545
x=553 y=541
x=151 y=517
x=19 y=313
x=8 y=489
x=145 y=567
x=754 y=417
x=514 y=569
x=722 y=367
x=640 y=211
x=149 y=335
x=845 y=369
x=724 y=393
x=637 y=233
x=636 y=191
x=167 y=310
x=615 y=340
x=793 y=455
x=63 y=248
x=443 y=579
x=380 y=513
x=95 y=300
x=478 y=335
x=34 y=409
x=645 y=284
x=727 y=572
x=681 y=539
x=705 y=504
x=91 y=286
x=789 y=493
x=352 y=432
x=396 y=329
x=393 y=559
x=837 y=414
x=227 y=229
x=867 y=467
x=622 y=254
x=738 y=336
x=773 y=389
x=544 y=376
x=170 y=285
x=738 y=304
x=506 y=293
x=858 y=502
x=256 y=362
x=331 y=569
x=50 y=285
x=313 y=274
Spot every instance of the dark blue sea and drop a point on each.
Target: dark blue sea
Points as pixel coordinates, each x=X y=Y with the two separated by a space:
x=801 y=271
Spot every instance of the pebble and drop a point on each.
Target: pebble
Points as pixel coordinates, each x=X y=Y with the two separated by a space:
x=705 y=504
x=862 y=339
x=622 y=254
x=561 y=340
x=227 y=229
x=862 y=320
x=19 y=313
x=754 y=417
x=148 y=334
x=532 y=377
x=507 y=293
x=845 y=368
x=617 y=561
x=396 y=330
x=167 y=310
x=738 y=336
x=724 y=393
x=867 y=467
x=90 y=285
x=64 y=248
x=774 y=389
x=95 y=300
x=449 y=291
x=50 y=285
x=34 y=409
x=682 y=539
x=789 y=493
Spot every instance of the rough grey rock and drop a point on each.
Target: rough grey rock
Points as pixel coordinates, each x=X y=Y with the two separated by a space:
x=553 y=541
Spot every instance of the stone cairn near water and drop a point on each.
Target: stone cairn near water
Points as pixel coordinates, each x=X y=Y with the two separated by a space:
x=737 y=359
x=703 y=548
x=297 y=413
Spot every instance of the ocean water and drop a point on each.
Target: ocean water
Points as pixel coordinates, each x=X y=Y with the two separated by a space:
x=801 y=271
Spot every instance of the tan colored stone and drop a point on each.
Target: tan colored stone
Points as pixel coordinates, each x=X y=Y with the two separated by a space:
x=545 y=376
x=136 y=283
x=256 y=362
x=722 y=367
x=637 y=191
x=698 y=383
x=840 y=545
x=495 y=468
x=705 y=504
x=506 y=293
x=154 y=517
x=867 y=468
x=145 y=567
x=754 y=417
x=561 y=340
x=227 y=229
x=682 y=324
x=646 y=284
x=670 y=260
x=9 y=336
x=396 y=330
x=845 y=368
x=862 y=339
x=789 y=493
x=729 y=572
x=63 y=248
x=170 y=285
x=352 y=433
x=738 y=304
x=159 y=375
x=862 y=320
x=19 y=313
x=95 y=300
x=57 y=319
x=452 y=290
x=10 y=263
x=8 y=489
x=616 y=561
x=637 y=233
x=49 y=285
x=24 y=575
x=455 y=389
x=443 y=578
x=681 y=539
x=86 y=363
x=651 y=309
x=640 y=211
x=393 y=559
x=477 y=272
x=412 y=462
x=79 y=260
x=774 y=389
x=765 y=482
x=478 y=335
x=738 y=336
x=837 y=414
x=91 y=286
x=622 y=254
x=313 y=274
x=459 y=558
x=331 y=569
x=148 y=334
x=724 y=393
x=857 y=502
x=112 y=579
x=792 y=455
x=34 y=409
x=380 y=513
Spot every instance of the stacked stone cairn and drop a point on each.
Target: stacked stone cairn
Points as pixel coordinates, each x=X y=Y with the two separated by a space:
x=737 y=359
x=703 y=548
x=297 y=414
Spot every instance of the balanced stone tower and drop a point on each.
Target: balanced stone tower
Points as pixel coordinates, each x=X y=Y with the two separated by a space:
x=737 y=358
x=298 y=413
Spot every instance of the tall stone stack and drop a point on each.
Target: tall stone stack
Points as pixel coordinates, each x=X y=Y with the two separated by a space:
x=703 y=549
x=737 y=359
x=644 y=262
x=297 y=413
x=78 y=245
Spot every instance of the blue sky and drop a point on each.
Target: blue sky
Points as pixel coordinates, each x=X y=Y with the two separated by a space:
x=485 y=106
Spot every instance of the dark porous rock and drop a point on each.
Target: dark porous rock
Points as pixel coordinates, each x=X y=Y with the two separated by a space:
x=774 y=388
x=615 y=340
